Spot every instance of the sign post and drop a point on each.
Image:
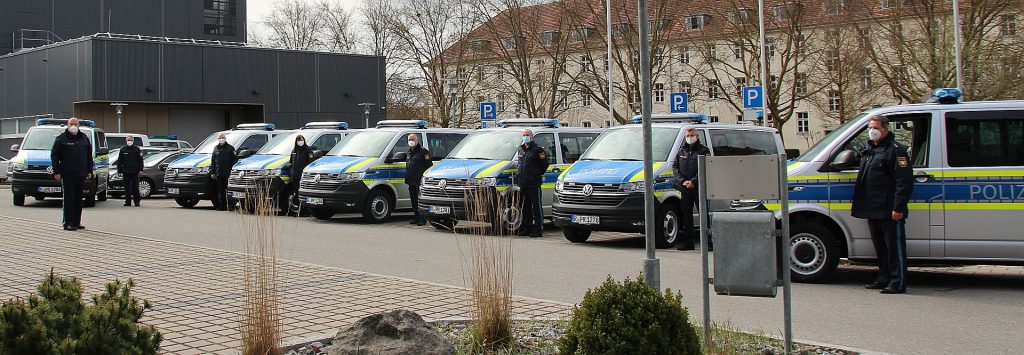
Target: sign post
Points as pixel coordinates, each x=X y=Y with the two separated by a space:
x=488 y=113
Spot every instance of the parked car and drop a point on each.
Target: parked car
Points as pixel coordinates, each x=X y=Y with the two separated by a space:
x=4 y=165
x=152 y=180
x=117 y=140
x=170 y=143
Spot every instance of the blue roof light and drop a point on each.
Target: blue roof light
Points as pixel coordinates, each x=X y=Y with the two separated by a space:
x=63 y=121
x=674 y=118
x=530 y=122
x=947 y=96
x=421 y=124
x=256 y=127
x=326 y=125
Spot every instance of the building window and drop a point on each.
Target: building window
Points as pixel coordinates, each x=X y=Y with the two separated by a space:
x=586 y=124
x=581 y=34
x=741 y=82
x=831 y=60
x=769 y=47
x=499 y=72
x=683 y=86
x=620 y=30
x=1008 y=26
x=784 y=11
x=586 y=63
x=480 y=75
x=684 y=55
x=659 y=92
x=834 y=100
x=899 y=80
x=697 y=22
x=500 y=102
x=865 y=79
x=863 y=38
x=833 y=7
x=712 y=52
x=550 y=38
x=563 y=98
x=742 y=16
x=773 y=82
x=803 y=124
x=712 y=89
x=737 y=51
x=712 y=119
x=584 y=99
x=220 y=17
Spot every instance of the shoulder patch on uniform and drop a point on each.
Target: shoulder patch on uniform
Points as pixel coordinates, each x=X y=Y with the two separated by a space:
x=543 y=155
x=903 y=162
x=426 y=156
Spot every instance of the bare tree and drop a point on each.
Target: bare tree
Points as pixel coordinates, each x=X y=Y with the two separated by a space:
x=294 y=24
x=849 y=80
x=337 y=32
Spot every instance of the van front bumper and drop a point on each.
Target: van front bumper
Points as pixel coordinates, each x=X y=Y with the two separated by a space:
x=627 y=216
x=348 y=197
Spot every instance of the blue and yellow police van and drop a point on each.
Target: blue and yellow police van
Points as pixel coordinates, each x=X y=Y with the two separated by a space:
x=188 y=178
x=604 y=190
x=486 y=160
x=266 y=173
x=365 y=173
x=968 y=197
x=32 y=171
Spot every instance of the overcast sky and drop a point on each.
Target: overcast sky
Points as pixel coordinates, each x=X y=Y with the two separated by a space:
x=259 y=8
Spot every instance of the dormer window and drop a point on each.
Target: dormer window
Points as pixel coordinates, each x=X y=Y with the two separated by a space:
x=550 y=37
x=697 y=21
x=479 y=45
x=742 y=16
x=581 y=34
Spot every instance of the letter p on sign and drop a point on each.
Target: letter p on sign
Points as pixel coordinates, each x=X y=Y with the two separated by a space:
x=753 y=97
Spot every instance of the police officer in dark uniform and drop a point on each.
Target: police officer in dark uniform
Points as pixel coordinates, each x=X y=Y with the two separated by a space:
x=417 y=161
x=684 y=178
x=301 y=156
x=72 y=166
x=223 y=159
x=130 y=166
x=884 y=184
x=533 y=163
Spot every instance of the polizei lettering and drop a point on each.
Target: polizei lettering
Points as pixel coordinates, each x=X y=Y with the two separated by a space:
x=997 y=192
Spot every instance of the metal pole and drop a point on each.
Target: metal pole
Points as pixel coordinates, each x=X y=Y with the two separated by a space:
x=608 y=69
x=787 y=294
x=764 y=61
x=702 y=205
x=956 y=43
x=652 y=272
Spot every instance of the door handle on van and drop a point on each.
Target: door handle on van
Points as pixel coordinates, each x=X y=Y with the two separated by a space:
x=924 y=176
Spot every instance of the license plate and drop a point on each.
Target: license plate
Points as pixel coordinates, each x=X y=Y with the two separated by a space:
x=237 y=195
x=173 y=190
x=443 y=210
x=315 y=200
x=586 y=219
x=49 y=189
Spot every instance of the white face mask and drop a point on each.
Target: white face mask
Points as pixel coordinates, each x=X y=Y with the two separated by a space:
x=874 y=134
x=412 y=143
x=301 y=143
x=691 y=140
x=222 y=141
x=73 y=129
x=527 y=139
x=130 y=143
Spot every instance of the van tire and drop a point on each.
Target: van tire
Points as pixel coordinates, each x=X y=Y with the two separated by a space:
x=668 y=226
x=378 y=207
x=90 y=200
x=323 y=214
x=186 y=202
x=443 y=224
x=814 y=251
x=19 y=200
x=576 y=235
x=102 y=196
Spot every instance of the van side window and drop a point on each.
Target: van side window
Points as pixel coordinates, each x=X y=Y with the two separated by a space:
x=253 y=142
x=573 y=145
x=440 y=144
x=326 y=142
x=986 y=138
x=912 y=131
x=725 y=142
x=547 y=141
x=402 y=145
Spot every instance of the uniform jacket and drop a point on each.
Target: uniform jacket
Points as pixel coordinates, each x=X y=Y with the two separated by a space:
x=72 y=154
x=223 y=159
x=685 y=166
x=533 y=163
x=884 y=182
x=301 y=157
x=417 y=162
x=129 y=160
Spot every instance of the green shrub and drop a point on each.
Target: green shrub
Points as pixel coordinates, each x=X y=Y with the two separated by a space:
x=55 y=321
x=630 y=318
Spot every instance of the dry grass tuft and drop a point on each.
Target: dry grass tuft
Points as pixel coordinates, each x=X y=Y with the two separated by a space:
x=260 y=324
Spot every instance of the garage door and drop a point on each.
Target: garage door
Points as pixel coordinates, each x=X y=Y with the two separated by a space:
x=195 y=125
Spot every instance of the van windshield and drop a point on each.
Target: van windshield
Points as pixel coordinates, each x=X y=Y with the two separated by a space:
x=489 y=145
x=825 y=142
x=41 y=138
x=283 y=144
x=206 y=147
x=368 y=144
x=627 y=144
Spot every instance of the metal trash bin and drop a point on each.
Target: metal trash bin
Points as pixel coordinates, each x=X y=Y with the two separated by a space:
x=746 y=253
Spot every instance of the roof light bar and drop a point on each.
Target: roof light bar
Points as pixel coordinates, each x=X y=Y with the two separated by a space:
x=421 y=124
x=529 y=122
x=255 y=127
x=326 y=125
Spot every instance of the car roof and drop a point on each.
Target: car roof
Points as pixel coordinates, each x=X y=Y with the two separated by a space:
x=968 y=105
x=723 y=126
x=543 y=129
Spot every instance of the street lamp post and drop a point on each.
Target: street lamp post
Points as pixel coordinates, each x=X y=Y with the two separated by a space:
x=608 y=68
x=454 y=84
x=652 y=269
x=366 y=112
x=119 y=110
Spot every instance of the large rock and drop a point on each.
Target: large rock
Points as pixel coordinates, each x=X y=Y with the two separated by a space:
x=393 y=332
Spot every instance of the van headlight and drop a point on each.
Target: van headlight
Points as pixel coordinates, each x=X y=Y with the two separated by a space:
x=349 y=177
x=115 y=176
x=201 y=170
x=15 y=166
x=487 y=181
x=559 y=185
x=632 y=186
x=270 y=173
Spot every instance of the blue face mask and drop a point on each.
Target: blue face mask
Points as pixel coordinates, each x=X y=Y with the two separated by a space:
x=527 y=139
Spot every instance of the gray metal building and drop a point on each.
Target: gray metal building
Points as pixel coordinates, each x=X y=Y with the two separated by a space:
x=187 y=87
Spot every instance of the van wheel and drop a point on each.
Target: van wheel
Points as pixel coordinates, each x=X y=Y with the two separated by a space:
x=39 y=198
x=443 y=224
x=19 y=200
x=145 y=188
x=186 y=202
x=378 y=207
x=507 y=218
x=813 y=252
x=668 y=227
x=101 y=196
x=322 y=214
x=576 y=235
x=90 y=200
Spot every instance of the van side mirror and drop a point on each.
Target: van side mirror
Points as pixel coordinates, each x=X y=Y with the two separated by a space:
x=317 y=154
x=163 y=167
x=103 y=151
x=15 y=148
x=399 y=156
x=846 y=159
x=244 y=153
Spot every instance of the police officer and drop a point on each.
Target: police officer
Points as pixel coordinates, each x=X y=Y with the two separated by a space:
x=533 y=163
x=417 y=161
x=884 y=184
x=72 y=166
x=220 y=170
x=684 y=178
x=130 y=166
x=302 y=155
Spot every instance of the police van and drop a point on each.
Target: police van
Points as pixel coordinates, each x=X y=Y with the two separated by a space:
x=604 y=190
x=269 y=168
x=188 y=178
x=968 y=197
x=366 y=172
x=32 y=170
x=486 y=159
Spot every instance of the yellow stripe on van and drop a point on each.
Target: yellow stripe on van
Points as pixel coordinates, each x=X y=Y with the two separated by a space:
x=277 y=163
x=979 y=173
x=923 y=206
x=204 y=163
x=360 y=165
x=560 y=176
x=639 y=176
x=822 y=177
x=491 y=169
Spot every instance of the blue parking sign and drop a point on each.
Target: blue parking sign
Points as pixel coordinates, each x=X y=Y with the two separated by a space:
x=679 y=102
x=753 y=97
x=488 y=111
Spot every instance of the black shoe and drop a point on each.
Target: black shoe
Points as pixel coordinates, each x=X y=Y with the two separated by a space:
x=126 y=204
x=421 y=223
x=892 y=291
x=415 y=222
x=136 y=204
x=79 y=227
x=876 y=285
x=523 y=234
x=70 y=228
x=536 y=235
x=711 y=247
x=685 y=246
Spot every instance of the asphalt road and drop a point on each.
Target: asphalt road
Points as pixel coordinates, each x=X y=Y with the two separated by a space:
x=946 y=310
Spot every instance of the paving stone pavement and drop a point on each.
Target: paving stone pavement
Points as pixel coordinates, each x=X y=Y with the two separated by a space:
x=196 y=292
